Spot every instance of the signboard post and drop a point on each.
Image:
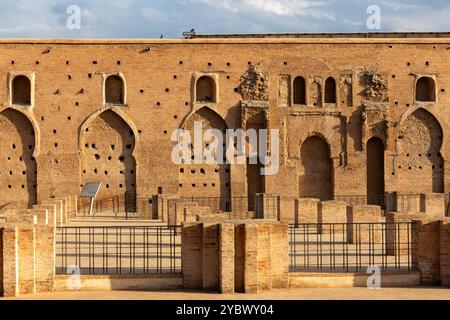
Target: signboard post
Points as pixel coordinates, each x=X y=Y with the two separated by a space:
x=90 y=190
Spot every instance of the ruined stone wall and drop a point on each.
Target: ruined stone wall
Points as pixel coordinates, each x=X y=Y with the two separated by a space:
x=375 y=97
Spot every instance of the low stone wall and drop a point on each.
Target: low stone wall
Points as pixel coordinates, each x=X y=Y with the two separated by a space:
x=340 y=280
x=119 y=282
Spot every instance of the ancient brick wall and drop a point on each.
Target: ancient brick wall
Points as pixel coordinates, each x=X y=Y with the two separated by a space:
x=374 y=95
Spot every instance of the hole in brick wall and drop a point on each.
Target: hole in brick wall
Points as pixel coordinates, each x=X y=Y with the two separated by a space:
x=249 y=63
x=141 y=91
x=86 y=145
x=158 y=103
x=299 y=90
x=160 y=190
x=30 y=147
x=180 y=62
x=107 y=186
x=128 y=146
x=396 y=102
x=56 y=144
x=393 y=76
x=106 y=172
x=121 y=158
x=205 y=185
x=120 y=185
x=94 y=62
x=23 y=186
x=121 y=172
x=10 y=173
x=236 y=89
x=407 y=104
x=181 y=170
x=42 y=118
x=186 y=103
x=24 y=173
x=192 y=171
x=13 y=146
x=109 y=158
x=209 y=64
x=216 y=170
x=132 y=184
x=228 y=64
x=167 y=89
x=93 y=146
x=165 y=131
x=193 y=185
x=114 y=90
x=95 y=170
x=67 y=62
x=84 y=171
x=12 y=62
x=89 y=75
x=425 y=89
x=37 y=62
x=228 y=77
x=69 y=77
x=427 y=63
x=180 y=185
x=76 y=103
x=21 y=87
x=442 y=90
x=408 y=63
x=139 y=131
x=175 y=76
x=285 y=63
x=9 y=186
x=213 y=184
x=113 y=147
x=175 y=116
x=202 y=171
x=69 y=118
x=54 y=131
x=118 y=62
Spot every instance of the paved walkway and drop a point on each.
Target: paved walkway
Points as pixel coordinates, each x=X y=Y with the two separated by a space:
x=421 y=293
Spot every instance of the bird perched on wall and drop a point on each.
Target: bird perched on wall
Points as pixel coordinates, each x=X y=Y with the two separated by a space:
x=162 y=36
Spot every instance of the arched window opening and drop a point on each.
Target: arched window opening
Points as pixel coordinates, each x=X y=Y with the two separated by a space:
x=425 y=90
x=299 y=91
x=21 y=90
x=375 y=171
x=114 y=91
x=206 y=89
x=330 y=91
x=316 y=177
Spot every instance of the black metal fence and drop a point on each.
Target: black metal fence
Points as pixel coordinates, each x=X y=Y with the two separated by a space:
x=118 y=250
x=351 y=247
x=118 y=207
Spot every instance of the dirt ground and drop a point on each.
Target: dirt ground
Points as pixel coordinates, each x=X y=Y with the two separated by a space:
x=420 y=293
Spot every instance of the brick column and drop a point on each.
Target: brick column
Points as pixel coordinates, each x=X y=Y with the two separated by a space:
x=192 y=255
x=226 y=258
x=45 y=252
x=19 y=253
x=427 y=250
x=444 y=233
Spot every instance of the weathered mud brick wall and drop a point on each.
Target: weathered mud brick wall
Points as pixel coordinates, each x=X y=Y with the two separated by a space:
x=371 y=120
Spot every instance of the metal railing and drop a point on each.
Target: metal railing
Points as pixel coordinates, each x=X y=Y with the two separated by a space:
x=351 y=247
x=118 y=207
x=118 y=250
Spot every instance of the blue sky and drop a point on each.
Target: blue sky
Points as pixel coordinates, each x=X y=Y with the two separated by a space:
x=151 y=18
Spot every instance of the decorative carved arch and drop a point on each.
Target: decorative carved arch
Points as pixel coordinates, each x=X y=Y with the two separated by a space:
x=37 y=132
x=122 y=115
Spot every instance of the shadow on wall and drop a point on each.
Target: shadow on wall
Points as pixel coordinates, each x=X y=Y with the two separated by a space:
x=107 y=155
x=18 y=181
